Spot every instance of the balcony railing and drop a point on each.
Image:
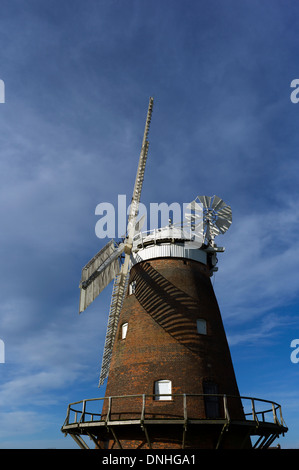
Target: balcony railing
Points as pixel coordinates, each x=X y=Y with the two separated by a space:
x=91 y=410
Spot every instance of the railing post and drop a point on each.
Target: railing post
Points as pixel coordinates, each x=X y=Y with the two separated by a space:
x=226 y=413
x=274 y=414
x=67 y=419
x=281 y=418
x=185 y=419
x=143 y=408
x=185 y=408
x=109 y=409
x=82 y=419
x=253 y=411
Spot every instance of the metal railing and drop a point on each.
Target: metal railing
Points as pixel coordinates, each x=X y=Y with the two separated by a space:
x=255 y=409
x=183 y=232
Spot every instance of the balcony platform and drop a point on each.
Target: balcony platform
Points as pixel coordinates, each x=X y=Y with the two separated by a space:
x=263 y=423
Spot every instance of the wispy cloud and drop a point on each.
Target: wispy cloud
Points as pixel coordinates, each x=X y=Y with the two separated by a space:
x=259 y=267
x=77 y=84
x=267 y=327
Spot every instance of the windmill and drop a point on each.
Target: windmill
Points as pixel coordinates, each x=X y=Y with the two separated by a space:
x=206 y=217
x=106 y=264
x=170 y=355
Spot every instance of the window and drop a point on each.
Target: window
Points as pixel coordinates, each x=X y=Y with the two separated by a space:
x=163 y=387
x=201 y=326
x=132 y=287
x=124 y=329
x=211 y=402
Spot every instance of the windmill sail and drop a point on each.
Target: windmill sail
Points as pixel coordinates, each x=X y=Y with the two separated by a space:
x=98 y=273
x=140 y=175
x=118 y=294
x=105 y=265
x=120 y=284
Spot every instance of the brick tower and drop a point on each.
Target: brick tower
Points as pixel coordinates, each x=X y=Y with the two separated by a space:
x=171 y=382
x=170 y=340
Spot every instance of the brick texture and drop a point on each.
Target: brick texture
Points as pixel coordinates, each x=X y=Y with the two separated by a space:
x=162 y=342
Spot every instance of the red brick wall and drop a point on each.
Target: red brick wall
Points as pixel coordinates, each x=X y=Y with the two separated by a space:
x=162 y=341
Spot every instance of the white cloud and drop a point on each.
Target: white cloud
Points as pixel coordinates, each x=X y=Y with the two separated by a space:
x=259 y=270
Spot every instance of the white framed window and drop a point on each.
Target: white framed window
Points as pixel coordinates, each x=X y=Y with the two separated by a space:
x=163 y=390
x=132 y=287
x=201 y=325
x=124 y=330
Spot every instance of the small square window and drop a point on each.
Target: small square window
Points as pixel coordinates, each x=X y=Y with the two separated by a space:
x=163 y=387
x=201 y=326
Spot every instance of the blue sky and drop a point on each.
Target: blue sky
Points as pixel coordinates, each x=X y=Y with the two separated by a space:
x=78 y=76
